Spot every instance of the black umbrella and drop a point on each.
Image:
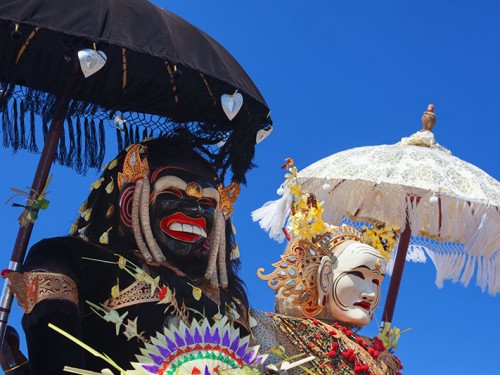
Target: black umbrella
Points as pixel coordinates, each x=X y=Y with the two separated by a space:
x=160 y=75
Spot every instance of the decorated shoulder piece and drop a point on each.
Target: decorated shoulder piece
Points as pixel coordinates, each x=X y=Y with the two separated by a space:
x=30 y=288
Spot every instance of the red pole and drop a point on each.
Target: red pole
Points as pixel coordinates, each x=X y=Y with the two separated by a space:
x=397 y=273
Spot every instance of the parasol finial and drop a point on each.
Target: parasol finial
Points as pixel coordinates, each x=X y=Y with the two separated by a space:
x=429 y=118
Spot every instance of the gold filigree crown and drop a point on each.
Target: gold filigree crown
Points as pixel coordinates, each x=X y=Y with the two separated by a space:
x=134 y=168
x=228 y=196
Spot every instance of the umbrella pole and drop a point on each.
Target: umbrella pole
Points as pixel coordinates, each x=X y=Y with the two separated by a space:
x=39 y=181
x=399 y=264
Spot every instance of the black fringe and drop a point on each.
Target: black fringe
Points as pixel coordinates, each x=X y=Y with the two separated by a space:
x=15 y=129
x=102 y=144
x=78 y=156
x=17 y=103
x=126 y=135
x=119 y=140
x=137 y=137
x=23 y=142
x=6 y=125
x=93 y=146
x=70 y=161
x=86 y=149
x=62 y=154
x=32 y=147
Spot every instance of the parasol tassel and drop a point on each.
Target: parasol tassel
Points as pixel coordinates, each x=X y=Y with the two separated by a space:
x=273 y=214
x=102 y=144
x=79 y=164
x=119 y=140
x=23 y=142
x=15 y=128
x=32 y=146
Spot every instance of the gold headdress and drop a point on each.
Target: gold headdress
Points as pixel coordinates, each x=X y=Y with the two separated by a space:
x=297 y=272
x=134 y=168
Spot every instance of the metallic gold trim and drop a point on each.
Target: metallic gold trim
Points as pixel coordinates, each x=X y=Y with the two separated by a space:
x=31 y=288
x=25 y=44
x=228 y=196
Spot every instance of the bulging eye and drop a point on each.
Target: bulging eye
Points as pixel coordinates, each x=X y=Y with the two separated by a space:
x=376 y=281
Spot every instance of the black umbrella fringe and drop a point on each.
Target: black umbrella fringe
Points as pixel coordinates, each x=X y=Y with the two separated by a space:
x=82 y=144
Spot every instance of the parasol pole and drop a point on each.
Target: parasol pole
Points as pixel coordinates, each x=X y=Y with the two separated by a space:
x=39 y=182
x=397 y=273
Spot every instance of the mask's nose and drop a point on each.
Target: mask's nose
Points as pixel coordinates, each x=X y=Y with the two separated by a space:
x=191 y=208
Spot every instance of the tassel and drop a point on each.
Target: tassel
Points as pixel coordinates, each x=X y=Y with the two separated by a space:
x=23 y=143
x=5 y=126
x=70 y=159
x=137 y=137
x=102 y=144
x=45 y=125
x=93 y=145
x=78 y=156
x=15 y=129
x=126 y=136
x=144 y=134
x=63 y=153
x=87 y=148
x=119 y=140
x=32 y=147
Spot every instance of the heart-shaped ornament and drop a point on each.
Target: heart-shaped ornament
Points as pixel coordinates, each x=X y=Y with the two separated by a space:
x=91 y=61
x=263 y=134
x=231 y=104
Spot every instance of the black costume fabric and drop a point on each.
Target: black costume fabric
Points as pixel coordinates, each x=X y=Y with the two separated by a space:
x=49 y=352
x=91 y=261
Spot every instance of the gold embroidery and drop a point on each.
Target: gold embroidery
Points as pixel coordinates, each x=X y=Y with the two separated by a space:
x=33 y=287
x=137 y=292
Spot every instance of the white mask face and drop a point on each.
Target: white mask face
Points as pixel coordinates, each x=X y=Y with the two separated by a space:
x=355 y=293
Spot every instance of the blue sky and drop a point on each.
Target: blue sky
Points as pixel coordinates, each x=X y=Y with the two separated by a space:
x=338 y=75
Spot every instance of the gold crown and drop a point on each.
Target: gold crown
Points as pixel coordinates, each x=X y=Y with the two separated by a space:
x=228 y=196
x=134 y=168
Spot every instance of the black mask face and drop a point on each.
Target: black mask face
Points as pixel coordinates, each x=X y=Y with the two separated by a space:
x=182 y=210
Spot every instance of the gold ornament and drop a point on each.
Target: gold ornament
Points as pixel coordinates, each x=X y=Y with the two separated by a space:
x=228 y=196
x=134 y=168
x=194 y=189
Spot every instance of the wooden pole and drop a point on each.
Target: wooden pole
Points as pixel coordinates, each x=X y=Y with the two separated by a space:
x=39 y=182
x=397 y=273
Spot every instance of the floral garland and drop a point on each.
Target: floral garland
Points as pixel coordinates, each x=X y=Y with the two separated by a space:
x=382 y=237
x=306 y=212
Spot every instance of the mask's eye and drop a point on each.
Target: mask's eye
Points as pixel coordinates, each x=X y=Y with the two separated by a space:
x=376 y=281
x=357 y=274
x=173 y=191
x=207 y=202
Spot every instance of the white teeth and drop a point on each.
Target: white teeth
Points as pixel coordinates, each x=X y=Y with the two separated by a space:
x=176 y=226
x=187 y=228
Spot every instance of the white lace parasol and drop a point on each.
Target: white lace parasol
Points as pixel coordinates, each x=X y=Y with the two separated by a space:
x=451 y=205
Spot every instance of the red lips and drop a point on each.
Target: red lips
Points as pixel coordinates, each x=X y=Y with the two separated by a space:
x=363 y=304
x=180 y=218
